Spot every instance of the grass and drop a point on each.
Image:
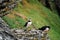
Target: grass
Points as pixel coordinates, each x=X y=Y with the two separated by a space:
x=40 y=16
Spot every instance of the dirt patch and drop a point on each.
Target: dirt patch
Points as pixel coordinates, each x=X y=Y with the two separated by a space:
x=11 y=16
x=20 y=15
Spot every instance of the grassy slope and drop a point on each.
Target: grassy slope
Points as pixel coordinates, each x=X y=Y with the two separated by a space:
x=40 y=16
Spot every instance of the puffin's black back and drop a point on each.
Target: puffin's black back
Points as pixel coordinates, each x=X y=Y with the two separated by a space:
x=25 y=24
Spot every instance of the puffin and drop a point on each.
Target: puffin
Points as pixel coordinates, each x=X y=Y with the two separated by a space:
x=28 y=23
x=45 y=28
x=44 y=31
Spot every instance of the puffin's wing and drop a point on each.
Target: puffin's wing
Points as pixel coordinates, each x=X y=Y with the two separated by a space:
x=25 y=24
x=43 y=28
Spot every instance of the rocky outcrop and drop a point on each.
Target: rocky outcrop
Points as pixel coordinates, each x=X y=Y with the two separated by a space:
x=6 y=36
x=30 y=35
x=5 y=31
x=19 y=34
x=6 y=6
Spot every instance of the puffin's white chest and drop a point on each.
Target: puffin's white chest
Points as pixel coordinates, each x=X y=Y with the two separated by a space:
x=29 y=23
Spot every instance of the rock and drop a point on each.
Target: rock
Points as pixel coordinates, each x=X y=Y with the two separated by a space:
x=6 y=36
x=19 y=34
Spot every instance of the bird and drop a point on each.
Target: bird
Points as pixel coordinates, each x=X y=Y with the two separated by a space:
x=44 y=32
x=28 y=23
x=45 y=28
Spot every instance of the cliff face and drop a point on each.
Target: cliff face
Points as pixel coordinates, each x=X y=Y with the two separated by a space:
x=57 y=3
x=6 y=6
x=52 y=4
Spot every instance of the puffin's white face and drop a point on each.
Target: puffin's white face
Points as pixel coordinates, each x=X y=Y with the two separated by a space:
x=46 y=30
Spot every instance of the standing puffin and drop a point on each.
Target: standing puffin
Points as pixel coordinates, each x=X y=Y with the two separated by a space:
x=28 y=23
